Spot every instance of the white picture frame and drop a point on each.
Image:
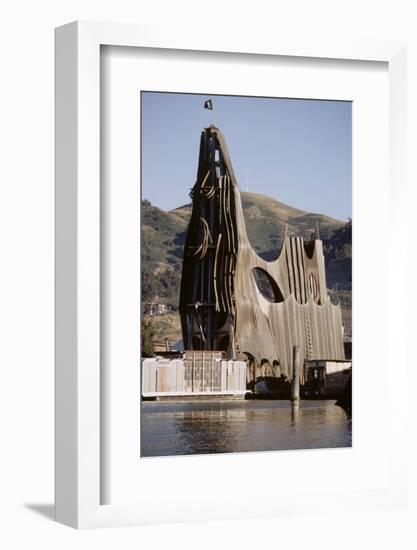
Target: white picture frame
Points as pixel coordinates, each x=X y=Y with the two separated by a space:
x=78 y=406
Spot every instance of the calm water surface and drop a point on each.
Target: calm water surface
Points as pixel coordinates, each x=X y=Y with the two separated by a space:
x=178 y=428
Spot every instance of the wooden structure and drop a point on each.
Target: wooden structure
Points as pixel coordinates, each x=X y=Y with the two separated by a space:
x=222 y=306
x=199 y=374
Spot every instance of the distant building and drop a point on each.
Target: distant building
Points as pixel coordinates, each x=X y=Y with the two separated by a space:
x=155 y=308
x=326 y=378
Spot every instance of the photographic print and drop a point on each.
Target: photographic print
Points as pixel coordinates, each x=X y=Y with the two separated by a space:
x=246 y=262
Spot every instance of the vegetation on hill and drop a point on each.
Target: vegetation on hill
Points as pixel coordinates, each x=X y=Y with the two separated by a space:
x=338 y=256
x=162 y=238
x=266 y=220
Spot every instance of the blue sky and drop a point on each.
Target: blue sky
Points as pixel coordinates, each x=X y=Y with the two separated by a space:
x=297 y=151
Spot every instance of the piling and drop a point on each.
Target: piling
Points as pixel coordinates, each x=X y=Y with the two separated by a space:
x=295 y=410
x=295 y=385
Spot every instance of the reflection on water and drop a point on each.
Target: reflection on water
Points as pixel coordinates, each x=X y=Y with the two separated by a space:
x=178 y=428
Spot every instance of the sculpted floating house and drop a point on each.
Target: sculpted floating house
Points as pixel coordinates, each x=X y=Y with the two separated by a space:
x=221 y=305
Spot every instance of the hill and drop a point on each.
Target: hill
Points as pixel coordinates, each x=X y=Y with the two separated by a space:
x=163 y=237
x=338 y=256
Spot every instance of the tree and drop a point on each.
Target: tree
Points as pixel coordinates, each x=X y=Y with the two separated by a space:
x=147 y=339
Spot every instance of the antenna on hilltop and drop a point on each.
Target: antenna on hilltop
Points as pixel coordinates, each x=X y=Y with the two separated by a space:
x=247 y=183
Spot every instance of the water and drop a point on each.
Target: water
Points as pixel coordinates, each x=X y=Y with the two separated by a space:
x=178 y=428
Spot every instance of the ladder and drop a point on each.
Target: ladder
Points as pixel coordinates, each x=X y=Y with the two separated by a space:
x=307 y=334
